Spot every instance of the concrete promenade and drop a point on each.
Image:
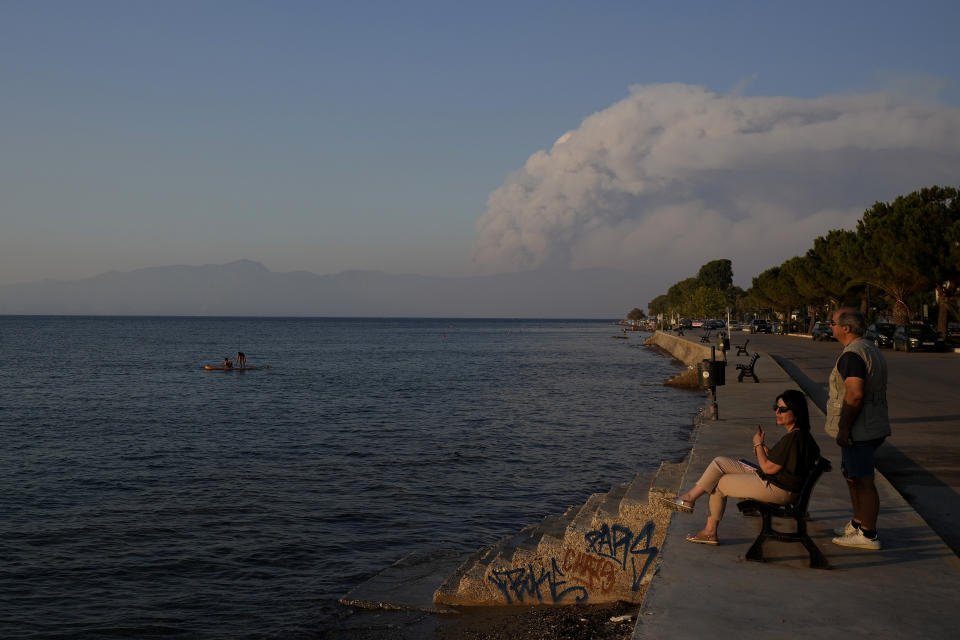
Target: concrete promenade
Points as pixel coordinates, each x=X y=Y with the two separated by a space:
x=910 y=587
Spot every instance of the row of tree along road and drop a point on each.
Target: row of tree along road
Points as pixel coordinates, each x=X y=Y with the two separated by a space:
x=903 y=257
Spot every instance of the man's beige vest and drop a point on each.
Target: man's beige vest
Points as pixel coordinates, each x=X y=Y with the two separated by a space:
x=873 y=421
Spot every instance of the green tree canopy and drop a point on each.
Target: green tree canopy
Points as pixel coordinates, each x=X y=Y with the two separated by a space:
x=906 y=246
x=658 y=305
x=834 y=265
x=776 y=288
x=680 y=297
x=707 y=302
x=706 y=295
x=716 y=274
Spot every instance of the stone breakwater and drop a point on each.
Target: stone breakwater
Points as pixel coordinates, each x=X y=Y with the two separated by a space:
x=687 y=352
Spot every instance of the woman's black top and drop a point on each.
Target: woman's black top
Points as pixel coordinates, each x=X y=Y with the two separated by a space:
x=797 y=453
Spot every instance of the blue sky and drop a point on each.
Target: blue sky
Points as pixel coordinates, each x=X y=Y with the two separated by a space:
x=370 y=135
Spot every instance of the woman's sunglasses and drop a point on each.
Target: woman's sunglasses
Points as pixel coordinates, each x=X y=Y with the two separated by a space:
x=780 y=409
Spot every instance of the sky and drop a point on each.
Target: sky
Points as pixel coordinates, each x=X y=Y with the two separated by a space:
x=444 y=138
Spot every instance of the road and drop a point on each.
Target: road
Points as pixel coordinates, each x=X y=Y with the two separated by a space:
x=922 y=456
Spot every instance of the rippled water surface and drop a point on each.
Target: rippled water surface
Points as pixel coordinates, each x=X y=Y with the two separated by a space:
x=144 y=496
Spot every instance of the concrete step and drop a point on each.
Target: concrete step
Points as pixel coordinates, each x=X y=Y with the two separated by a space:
x=473 y=572
x=527 y=539
x=553 y=528
x=601 y=551
x=639 y=488
x=634 y=504
x=609 y=507
x=583 y=521
x=669 y=478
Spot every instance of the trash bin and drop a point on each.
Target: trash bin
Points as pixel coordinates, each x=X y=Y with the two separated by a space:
x=711 y=373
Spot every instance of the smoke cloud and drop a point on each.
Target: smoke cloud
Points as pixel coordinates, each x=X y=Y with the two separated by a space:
x=675 y=175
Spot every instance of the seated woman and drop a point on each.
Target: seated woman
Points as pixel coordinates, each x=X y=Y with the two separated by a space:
x=779 y=479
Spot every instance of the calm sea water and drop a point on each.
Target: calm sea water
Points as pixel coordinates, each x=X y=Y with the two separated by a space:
x=143 y=496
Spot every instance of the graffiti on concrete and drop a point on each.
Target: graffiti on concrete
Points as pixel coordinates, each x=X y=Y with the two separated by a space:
x=594 y=573
x=520 y=584
x=619 y=544
x=610 y=550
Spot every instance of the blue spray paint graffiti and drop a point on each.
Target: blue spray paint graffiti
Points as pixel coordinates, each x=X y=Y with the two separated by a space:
x=524 y=582
x=620 y=545
x=617 y=544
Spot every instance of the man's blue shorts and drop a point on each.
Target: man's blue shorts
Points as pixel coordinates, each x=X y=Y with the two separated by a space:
x=858 y=461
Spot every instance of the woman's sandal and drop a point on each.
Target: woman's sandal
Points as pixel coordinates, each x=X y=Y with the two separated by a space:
x=677 y=504
x=702 y=538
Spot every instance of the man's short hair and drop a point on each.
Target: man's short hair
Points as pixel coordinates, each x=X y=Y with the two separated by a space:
x=852 y=318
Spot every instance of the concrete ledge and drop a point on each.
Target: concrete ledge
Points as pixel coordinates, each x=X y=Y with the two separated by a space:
x=683 y=350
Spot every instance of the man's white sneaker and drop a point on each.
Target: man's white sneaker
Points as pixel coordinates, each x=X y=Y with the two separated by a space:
x=857 y=540
x=845 y=530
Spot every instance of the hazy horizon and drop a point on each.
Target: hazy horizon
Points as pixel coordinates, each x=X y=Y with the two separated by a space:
x=438 y=140
x=248 y=288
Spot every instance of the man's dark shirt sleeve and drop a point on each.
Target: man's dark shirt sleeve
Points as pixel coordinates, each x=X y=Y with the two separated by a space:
x=852 y=365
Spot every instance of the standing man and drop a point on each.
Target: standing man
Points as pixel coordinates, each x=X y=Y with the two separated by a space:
x=857 y=416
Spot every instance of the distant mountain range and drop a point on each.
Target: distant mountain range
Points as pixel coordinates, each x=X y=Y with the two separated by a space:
x=247 y=288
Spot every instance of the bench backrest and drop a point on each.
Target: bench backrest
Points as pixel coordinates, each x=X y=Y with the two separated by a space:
x=819 y=468
x=753 y=361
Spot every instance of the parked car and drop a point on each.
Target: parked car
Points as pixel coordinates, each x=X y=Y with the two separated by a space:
x=953 y=333
x=734 y=325
x=917 y=337
x=823 y=332
x=881 y=333
x=759 y=326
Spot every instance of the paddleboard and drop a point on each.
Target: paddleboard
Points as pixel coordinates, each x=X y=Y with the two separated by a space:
x=209 y=368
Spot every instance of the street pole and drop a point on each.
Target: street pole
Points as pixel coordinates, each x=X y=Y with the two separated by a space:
x=714 y=409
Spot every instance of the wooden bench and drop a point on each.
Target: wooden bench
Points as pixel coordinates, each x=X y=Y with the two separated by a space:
x=705 y=337
x=742 y=348
x=747 y=369
x=796 y=512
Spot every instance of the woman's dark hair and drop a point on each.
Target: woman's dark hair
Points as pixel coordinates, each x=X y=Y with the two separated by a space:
x=797 y=402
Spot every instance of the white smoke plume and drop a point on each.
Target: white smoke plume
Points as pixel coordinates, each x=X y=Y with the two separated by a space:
x=675 y=175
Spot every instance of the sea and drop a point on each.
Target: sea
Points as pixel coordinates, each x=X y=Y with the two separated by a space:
x=143 y=496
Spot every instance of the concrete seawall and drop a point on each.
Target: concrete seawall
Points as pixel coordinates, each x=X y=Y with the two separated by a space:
x=687 y=352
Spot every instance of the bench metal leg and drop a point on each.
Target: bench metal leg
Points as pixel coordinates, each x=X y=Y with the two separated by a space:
x=817 y=559
x=755 y=553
